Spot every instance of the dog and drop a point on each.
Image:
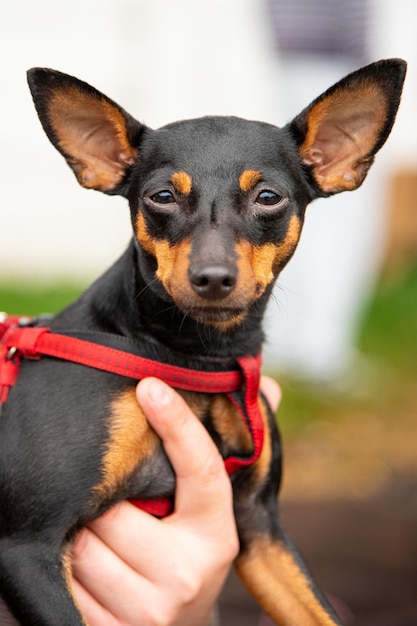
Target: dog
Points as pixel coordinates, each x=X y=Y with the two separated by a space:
x=217 y=207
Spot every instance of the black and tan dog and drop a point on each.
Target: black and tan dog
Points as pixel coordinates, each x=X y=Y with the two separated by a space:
x=217 y=207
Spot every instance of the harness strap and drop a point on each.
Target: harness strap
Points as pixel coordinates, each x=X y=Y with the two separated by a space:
x=32 y=342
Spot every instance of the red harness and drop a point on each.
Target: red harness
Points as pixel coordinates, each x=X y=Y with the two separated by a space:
x=19 y=339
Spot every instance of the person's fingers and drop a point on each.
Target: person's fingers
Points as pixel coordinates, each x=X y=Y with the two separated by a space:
x=6 y=619
x=92 y=610
x=179 y=569
x=179 y=429
x=197 y=463
x=272 y=391
x=98 y=569
x=144 y=557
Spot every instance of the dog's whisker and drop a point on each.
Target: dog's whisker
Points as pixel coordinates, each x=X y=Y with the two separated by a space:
x=142 y=291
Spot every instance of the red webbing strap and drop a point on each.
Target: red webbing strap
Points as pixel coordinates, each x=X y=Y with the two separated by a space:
x=33 y=342
x=159 y=507
x=9 y=370
x=9 y=367
x=251 y=368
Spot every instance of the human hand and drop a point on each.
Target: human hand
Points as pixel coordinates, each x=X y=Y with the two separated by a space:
x=130 y=568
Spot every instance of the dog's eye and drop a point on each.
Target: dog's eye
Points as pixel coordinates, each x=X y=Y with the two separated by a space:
x=163 y=197
x=268 y=198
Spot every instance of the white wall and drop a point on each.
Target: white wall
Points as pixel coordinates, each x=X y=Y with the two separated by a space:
x=162 y=60
x=143 y=54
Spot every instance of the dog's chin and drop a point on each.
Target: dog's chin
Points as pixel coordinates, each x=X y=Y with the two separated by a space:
x=221 y=318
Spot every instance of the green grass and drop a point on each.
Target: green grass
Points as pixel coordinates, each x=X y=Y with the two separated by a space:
x=386 y=386
x=29 y=299
x=390 y=330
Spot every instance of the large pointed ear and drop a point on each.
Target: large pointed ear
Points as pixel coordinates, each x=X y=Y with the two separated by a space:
x=98 y=138
x=339 y=134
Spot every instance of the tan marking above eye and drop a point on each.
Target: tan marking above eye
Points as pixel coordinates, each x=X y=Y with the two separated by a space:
x=182 y=182
x=249 y=179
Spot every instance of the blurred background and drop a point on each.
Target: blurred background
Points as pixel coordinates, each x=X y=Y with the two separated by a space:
x=342 y=327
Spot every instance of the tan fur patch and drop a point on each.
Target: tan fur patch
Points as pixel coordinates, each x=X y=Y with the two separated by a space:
x=258 y=265
x=278 y=584
x=172 y=261
x=130 y=440
x=199 y=403
x=284 y=250
x=173 y=266
x=143 y=236
x=247 y=278
x=182 y=182
x=261 y=468
x=230 y=426
x=249 y=179
x=93 y=134
x=263 y=258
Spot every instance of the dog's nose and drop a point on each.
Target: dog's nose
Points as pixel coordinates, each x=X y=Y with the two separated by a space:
x=212 y=281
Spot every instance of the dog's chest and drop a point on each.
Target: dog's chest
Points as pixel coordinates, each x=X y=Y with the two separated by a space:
x=134 y=461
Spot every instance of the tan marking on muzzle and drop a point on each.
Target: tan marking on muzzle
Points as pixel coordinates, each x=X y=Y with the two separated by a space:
x=259 y=265
x=255 y=265
x=173 y=263
x=146 y=241
x=172 y=260
x=285 y=249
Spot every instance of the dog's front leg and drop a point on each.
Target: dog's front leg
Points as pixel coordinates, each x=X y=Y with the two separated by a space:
x=269 y=564
x=36 y=582
x=277 y=578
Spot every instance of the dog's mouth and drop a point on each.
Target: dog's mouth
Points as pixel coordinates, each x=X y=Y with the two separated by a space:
x=222 y=316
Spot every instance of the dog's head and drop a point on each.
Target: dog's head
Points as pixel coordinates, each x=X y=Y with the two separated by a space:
x=218 y=203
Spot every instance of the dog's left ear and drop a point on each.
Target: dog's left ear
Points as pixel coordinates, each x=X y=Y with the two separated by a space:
x=98 y=138
x=339 y=134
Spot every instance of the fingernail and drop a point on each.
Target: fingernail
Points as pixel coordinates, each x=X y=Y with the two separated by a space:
x=159 y=393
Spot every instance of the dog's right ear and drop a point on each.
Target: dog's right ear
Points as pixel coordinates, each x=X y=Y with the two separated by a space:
x=98 y=138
